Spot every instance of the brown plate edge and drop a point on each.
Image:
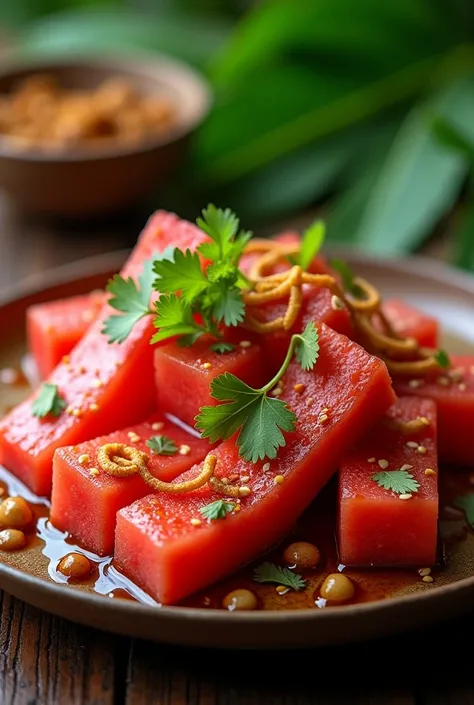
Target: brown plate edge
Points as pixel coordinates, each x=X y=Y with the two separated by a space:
x=189 y=626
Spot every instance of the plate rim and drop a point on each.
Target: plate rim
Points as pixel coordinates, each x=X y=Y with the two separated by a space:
x=96 y=265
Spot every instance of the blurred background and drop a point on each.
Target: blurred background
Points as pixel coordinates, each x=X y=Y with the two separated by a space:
x=360 y=111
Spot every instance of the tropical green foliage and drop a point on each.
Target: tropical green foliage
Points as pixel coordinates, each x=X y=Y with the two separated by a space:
x=365 y=108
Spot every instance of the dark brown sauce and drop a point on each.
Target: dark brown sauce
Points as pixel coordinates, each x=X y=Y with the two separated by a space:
x=316 y=525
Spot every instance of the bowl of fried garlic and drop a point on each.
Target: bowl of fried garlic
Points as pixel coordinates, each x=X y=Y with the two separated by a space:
x=86 y=136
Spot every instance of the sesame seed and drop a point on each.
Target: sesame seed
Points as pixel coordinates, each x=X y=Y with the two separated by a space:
x=81 y=370
x=424 y=571
x=299 y=388
x=412 y=444
x=462 y=387
x=406 y=495
x=245 y=478
x=233 y=477
x=429 y=472
x=83 y=459
x=421 y=450
x=266 y=467
x=184 y=449
x=443 y=381
x=281 y=589
x=87 y=316
x=97 y=383
x=94 y=407
x=134 y=437
x=225 y=480
x=325 y=410
x=245 y=344
x=427 y=579
x=244 y=491
x=94 y=472
x=206 y=365
x=69 y=410
x=424 y=420
x=415 y=383
x=336 y=303
x=66 y=359
x=236 y=508
x=276 y=392
x=371 y=460
x=195 y=522
x=76 y=413
x=157 y=426
x=309 y=401
x=278 y=480
x=383 y=463
x=322 y=418
x=406 y=467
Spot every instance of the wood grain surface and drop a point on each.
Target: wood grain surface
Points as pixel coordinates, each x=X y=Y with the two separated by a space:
x=45 y=660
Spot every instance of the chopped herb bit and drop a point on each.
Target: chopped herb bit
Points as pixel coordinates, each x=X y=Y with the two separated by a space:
x=48 y=401
x=260 y=418
x=399 y=481
x=466 y=503
x=229 y=307
x=222 y=347
x=347 y=276
x=311 y=243
x=175 y=317
x=271 y=573
x=222 y=226
x=183 y=273
x=162 y=445
x=131 y=300
x=443 y=359
x=217 y=510
x=307 y=347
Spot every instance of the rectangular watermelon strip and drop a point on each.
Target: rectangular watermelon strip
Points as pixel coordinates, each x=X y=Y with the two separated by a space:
x=409 y=322
x=85 y=503
x=453 y=392
x=378 y=527
x=106 y=386
x=163 y=542
x=53 y=328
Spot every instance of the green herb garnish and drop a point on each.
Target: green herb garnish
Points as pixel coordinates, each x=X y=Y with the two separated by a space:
x=399 y=481
x=311 y=243
x=132 y=300
x=347 y=276
x=217 y=510
x=48 y=402
x=466 y=503
x=442 y=358
x=260 y=418
x=271 y=573
x=162 y=445
x=221 y=347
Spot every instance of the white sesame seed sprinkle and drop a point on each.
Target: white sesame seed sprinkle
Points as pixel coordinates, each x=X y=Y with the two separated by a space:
x=371 y=460
x=462 y=386
x=412 y=444
x=405 y=495
x=415 y=383
x=383 y=463
x=245 y=344
x=421 y=450
x=427 y=579
x=266 y=467
x=406 y=467
x=443 y=381
x=157 y=426
x=184 y=449
x=424 y=571
x=195 y=522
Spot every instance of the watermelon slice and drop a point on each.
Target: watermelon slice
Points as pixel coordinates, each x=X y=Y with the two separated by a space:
x=85 y=505
x=105 y=386
x=453 y=392
x=159 y=542
x=380 y=527
x=409 y=322
x=55 y=327
x=183 y=375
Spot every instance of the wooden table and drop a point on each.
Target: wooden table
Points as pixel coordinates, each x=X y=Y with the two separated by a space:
x=44 y=659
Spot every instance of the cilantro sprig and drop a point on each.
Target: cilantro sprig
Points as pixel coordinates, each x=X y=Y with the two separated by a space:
x=399 y=481
x=260 y=418
x=271 y=573
x=443 y=359
x=48 y=402
x=217 y=510
x=466 y=503
x=311 y=243
x=162 y=445
x=347 y=277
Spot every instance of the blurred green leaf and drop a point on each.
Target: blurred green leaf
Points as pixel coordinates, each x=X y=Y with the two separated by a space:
x=449 y=136
x=464 y=238
x=186 y=36
x=417 y=182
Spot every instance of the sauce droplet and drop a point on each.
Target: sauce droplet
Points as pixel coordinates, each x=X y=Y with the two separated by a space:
x=74 y=565
x=337 y=588
x=240 y=600
x=12 y=540
x=15 y=512
x=302 y=555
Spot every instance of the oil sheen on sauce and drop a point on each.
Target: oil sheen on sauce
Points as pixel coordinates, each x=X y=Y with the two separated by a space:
x=317 y=526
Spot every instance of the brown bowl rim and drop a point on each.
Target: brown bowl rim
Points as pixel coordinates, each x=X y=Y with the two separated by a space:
x=139 y=62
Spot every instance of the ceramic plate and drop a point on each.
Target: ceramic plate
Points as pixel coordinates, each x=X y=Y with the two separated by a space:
x=430 y=286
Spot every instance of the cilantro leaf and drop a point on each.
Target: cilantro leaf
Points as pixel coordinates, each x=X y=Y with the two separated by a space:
x=230 y=307
x=174 y=317
x=443 y=359
x=132 y=300
x=307 y=347
x=222 y=227
x=466 y=503
x=217 y=510
x=222 y=347
x=48 y=401
x=311 y=243
x=399 y=481
x=162 y=445
x=271 y=573
x=183 y=273
x=347 y=276
x=261 y=419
